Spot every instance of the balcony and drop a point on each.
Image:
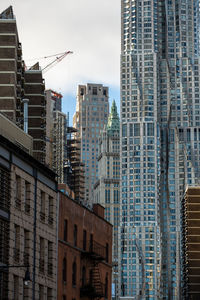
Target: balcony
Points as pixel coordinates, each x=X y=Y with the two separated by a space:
x=94 y=251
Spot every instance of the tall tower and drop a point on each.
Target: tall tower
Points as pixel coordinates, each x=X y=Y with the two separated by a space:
x=160 y=127
x=106 y=189
x=91 y=115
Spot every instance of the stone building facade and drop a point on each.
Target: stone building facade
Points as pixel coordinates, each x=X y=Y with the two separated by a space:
x=28 y=218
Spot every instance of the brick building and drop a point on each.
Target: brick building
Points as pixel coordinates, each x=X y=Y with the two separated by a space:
x=84 y=251
x=28 y=214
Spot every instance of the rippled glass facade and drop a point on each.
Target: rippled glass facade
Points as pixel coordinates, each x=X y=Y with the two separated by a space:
x=160 y=140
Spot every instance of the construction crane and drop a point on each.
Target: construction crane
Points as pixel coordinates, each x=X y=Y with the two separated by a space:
x=59 y=57
x=56 y=60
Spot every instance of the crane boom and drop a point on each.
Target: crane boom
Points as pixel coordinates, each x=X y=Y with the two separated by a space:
x=56 y=60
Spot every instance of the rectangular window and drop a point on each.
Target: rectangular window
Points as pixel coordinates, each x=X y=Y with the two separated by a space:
x=18 y=192
x=42 y=206
x=27 y=188
x=17 y=244
x=16 y=287
x=26 y=247
x=75 y=235
x=65 y=237
x=51 y=209
x=41 y=292
x=50 y=258
x=4 y=189
x=136 y=129
x=150 y=129
x=49 y=294
x=42 y=255
x=84 y=239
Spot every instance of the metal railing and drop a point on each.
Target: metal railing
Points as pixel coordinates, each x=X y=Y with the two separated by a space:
x=95 y=249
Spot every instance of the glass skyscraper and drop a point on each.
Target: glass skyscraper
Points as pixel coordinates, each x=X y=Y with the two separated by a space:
x=160 y=141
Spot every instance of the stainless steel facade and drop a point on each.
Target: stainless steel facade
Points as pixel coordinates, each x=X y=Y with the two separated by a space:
x=160 y=133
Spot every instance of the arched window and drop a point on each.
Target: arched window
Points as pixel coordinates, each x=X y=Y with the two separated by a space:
x=83 y=276
x=64 y=270
x=74 y=274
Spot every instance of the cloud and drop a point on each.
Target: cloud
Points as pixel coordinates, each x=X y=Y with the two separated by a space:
x=89 y=28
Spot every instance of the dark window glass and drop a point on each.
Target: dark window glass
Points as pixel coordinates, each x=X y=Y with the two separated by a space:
x=74 y=274
x=84 y=239
x=75 y=235
x=64 y=270
x=65 y=230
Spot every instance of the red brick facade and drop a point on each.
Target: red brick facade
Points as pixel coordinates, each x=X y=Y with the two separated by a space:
x=84 y=252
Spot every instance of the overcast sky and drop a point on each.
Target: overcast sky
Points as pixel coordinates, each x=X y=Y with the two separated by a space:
x=89 y=28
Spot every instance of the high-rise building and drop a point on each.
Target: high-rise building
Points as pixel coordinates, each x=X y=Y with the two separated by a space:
x=160 y=127
x=91 y=115
x=19 y=83
x=106 y=189
x=56 y=130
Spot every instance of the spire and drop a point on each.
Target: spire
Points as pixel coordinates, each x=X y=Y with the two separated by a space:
x=7 y=13
x=113 y=120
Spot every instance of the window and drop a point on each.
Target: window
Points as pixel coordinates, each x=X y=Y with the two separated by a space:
x=91 y=242
x=18 y=192
x=17 y=244
x=27 y=197
x=74 y=274
x=75 y=235
x=51 y=209
x=42 y=254
x=106 y=286
x=42 y=206
x=41 y=292
x=4 y=189
x=50 y=258
x=64 y=270
x=26 y=246
x=83 y=276
x=16 y=287
x=65 y=230
x=84 y=239
x=49 y=294
x=107 y=252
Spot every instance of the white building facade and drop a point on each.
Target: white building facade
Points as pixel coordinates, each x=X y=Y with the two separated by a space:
x=107 y=188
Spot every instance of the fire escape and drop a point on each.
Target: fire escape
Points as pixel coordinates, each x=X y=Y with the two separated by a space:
x=93 y=287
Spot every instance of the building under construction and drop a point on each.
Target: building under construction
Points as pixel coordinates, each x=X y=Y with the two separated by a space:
x=74 y=168
x=19 y=83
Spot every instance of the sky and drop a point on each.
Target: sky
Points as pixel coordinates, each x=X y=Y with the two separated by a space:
x=89 y=28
